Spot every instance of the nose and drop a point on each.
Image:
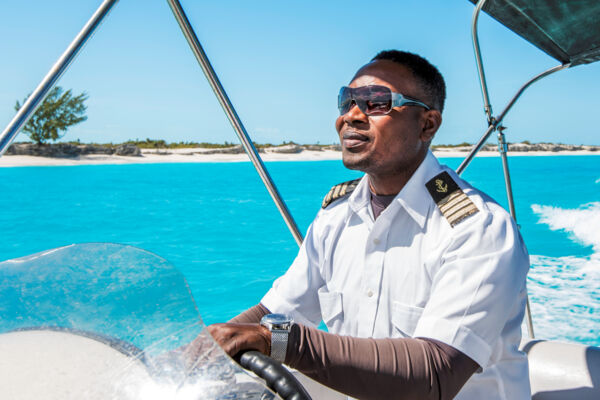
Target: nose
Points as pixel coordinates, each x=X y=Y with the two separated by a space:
x=355 y=115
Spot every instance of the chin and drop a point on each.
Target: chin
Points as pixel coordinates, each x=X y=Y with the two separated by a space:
x=355 y=161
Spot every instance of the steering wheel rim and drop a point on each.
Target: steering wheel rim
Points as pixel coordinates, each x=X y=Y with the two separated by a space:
x=276 y=376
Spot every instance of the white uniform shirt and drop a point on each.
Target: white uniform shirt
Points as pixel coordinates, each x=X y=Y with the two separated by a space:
x=410 y=274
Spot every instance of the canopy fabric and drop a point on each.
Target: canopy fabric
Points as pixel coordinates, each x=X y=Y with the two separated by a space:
x=567 y=30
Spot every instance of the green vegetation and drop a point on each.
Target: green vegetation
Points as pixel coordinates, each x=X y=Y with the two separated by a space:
x=463 y=144
x=162 y=144
x=55 y=115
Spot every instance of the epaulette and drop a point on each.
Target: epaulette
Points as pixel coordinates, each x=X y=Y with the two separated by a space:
x=451 y=200
x=339 y=191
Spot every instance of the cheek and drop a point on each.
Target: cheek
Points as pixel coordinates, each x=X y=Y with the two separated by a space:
x=339 y=122
x=388 y=134
x=395 y=138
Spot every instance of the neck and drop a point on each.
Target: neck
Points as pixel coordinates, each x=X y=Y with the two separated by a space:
x=387 y=185
x=391 y=183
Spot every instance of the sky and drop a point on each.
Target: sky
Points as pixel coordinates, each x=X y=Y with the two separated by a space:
x=282 y=64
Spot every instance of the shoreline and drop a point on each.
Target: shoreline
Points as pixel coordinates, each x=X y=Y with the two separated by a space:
x=189 y=156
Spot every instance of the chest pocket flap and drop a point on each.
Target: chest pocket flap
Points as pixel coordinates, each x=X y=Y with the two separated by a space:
x=405 y=319
x=331 y=304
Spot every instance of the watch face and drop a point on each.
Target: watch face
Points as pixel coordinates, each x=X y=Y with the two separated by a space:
x=277 y=318
x=276 y=321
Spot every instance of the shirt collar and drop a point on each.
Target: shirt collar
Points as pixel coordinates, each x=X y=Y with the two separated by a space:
x=413 y=196
x=360 y=196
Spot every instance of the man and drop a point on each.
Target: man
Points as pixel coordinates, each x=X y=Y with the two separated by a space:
x=419 y=277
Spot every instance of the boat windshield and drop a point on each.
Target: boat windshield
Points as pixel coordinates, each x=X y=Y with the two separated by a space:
x=109 y=321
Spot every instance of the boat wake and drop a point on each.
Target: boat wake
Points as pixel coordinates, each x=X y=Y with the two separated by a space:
x=565 y=291
x=581 y=223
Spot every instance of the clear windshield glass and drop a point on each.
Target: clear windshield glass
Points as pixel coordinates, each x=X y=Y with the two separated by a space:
x=108 y=321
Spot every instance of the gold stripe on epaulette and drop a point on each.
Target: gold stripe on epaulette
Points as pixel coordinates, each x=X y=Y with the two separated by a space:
x=339 y=191
x=457 y=207
x=449 y=201
x=460 y=201
x=454 y=204
x=463 y=213
x=327 y=199
x=336 y=190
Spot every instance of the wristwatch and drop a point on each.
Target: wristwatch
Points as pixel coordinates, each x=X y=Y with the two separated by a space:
x=279 y=325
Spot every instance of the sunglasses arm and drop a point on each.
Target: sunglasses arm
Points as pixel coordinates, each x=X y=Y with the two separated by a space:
x=399 y=100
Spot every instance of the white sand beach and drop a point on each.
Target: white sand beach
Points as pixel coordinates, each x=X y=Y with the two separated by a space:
x=195 y=155
x=173 y=156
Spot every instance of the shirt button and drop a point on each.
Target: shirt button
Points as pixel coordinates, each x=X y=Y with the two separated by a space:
x=370 y=293
x=376 y=241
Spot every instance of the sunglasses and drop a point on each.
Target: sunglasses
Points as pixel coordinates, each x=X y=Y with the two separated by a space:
x=374 y=100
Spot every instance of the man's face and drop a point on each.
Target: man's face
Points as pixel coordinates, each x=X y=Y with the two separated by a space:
x=389 y=144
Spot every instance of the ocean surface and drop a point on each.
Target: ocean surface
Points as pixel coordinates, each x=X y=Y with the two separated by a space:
x=217 y=224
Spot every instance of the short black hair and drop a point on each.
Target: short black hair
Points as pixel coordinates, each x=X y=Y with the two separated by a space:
x=429 y=77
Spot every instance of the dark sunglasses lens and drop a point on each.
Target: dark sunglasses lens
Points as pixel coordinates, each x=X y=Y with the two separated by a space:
x=344 y=100
x=374 y=100
x=371 y=100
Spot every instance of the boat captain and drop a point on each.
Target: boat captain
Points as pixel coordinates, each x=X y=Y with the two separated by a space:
x=419 y=277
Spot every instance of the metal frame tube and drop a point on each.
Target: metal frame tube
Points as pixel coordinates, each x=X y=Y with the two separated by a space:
x=496 y=121
x=463 y=165
x=215 y=84
x=482 y=81
x=62 y=64
x=503 y=149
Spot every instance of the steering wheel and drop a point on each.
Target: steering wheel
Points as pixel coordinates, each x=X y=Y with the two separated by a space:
x=276 y=376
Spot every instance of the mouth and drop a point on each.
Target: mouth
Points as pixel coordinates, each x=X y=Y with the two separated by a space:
x=353 y=140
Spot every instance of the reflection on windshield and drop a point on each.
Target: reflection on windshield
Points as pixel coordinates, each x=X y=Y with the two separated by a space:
x=108 y=321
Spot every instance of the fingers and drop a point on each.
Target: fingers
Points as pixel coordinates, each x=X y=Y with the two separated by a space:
x=234 y=338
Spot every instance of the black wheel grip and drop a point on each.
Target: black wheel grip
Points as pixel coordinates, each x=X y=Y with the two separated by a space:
x=275 y=375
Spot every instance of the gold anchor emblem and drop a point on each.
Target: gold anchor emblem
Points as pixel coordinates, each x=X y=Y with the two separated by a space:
x=441 y=186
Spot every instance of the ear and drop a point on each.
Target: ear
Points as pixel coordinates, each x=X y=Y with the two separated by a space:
x=432 y=119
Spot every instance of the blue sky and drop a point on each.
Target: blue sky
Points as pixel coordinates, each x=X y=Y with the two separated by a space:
x=282 y=64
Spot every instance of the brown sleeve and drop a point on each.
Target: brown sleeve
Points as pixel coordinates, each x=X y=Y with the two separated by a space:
x=251 y=315
x=370 y=369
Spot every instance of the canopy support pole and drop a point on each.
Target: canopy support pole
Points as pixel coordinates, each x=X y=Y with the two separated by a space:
x=494 y=124
x=503 y=149
x=475 y=35
x=36 y=98
x=234 y=119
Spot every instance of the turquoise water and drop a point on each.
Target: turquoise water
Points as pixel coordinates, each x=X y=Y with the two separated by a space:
x=217 y=224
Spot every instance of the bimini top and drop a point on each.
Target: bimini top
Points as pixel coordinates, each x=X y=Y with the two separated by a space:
x=568 y=31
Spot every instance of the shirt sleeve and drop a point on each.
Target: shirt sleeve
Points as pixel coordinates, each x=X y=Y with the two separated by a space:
x=295 y=293
x=479 y=287
x=370 y=369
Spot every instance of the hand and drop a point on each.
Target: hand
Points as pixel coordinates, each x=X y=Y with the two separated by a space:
x=235 y=338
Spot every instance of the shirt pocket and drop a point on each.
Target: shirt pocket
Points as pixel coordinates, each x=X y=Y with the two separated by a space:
x=405 y=319
x=331 y=306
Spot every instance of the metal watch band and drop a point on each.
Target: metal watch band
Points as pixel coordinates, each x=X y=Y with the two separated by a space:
x=279 y=341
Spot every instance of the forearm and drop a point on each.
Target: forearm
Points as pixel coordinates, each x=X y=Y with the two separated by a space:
x=251 y=315
x=371 y=369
